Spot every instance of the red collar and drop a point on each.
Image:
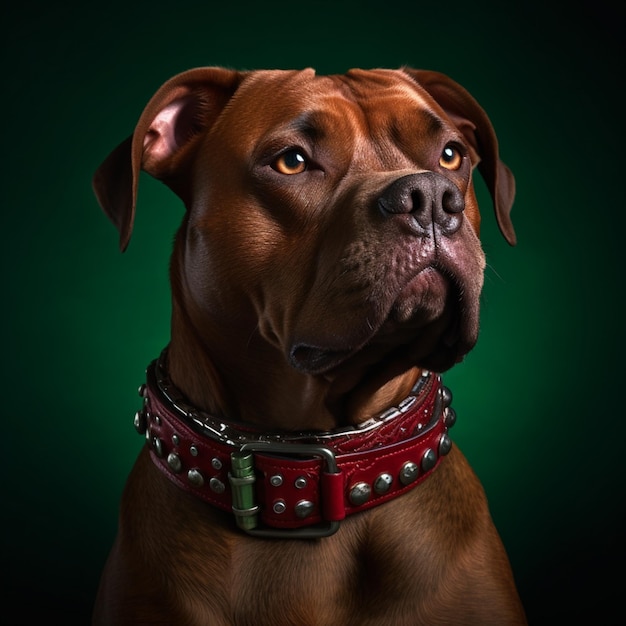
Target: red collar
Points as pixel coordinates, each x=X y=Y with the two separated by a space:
x=294 y=484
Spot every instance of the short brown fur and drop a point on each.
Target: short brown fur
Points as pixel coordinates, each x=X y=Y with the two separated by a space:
x=303 y=304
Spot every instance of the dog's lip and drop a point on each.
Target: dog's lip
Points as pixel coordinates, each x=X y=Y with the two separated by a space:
x=422 y=298
x=317 y=360
x=403 y=332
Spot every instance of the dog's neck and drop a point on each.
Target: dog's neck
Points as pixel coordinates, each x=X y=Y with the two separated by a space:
x=252 y=382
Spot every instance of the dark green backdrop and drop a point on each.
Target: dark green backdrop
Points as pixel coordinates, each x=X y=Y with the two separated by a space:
x=540 y=407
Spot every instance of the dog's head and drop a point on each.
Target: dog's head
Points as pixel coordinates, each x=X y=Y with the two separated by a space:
x=333 y=217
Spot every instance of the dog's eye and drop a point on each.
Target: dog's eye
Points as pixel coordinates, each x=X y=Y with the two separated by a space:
x=451 y=158
x=290 y=162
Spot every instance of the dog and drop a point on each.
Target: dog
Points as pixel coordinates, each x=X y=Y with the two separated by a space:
x=298 y=466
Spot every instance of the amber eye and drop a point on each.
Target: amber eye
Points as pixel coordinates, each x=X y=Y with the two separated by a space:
x=451 y=158
x=290 y=162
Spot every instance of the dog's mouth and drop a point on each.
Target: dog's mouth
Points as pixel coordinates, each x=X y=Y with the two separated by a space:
x=428 y=325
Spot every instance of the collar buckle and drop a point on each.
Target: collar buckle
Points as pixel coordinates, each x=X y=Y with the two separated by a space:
x=242 y=479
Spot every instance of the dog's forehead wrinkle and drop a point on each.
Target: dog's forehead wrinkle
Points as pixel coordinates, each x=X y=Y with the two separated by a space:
x=381 y=118
x=398 y=91
x=315 y=123
x=393 y=119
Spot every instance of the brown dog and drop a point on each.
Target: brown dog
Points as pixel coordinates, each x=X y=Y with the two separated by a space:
x=328 y=263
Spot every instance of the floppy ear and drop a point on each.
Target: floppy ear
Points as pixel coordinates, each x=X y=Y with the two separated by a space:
x=164 y=141
x=472 y=121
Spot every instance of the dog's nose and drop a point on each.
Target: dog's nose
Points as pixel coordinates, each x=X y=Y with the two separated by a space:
x=430 y=198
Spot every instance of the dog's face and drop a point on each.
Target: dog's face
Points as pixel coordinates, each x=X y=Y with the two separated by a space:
x=335 y=216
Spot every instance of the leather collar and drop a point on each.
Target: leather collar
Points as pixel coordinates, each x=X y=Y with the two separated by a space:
x=294 y=484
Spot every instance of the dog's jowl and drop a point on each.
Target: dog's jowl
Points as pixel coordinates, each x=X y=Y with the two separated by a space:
x=299 y=467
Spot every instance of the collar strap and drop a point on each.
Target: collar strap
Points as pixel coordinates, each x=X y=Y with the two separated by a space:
x=294 y=484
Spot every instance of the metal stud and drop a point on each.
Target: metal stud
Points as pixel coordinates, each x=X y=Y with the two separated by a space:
x=195 y=478
x=383 y=483
x=408 y=473
x=279 y=506
x=445 y=445
x=446 y=396
x=360 y=494
x=216 y=464
x=173 y=460
x=156 y=419
x=304 y=508
x=175 y=439
x=407 y=403
x=157 y=444
x=429 y=460
x=276 y=480
x=217 y=486
x=449 y=418
x=193 y=449
x=139 y=422
x=143 y=390
x=301 y=482
x=390 y=414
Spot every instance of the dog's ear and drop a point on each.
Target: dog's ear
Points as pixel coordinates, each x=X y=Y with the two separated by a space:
x=164 y=141
x=472 y=121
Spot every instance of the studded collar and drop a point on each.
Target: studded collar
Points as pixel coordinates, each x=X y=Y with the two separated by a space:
x=294 y=484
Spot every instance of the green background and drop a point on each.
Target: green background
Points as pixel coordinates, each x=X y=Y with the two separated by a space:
x=541 y=414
